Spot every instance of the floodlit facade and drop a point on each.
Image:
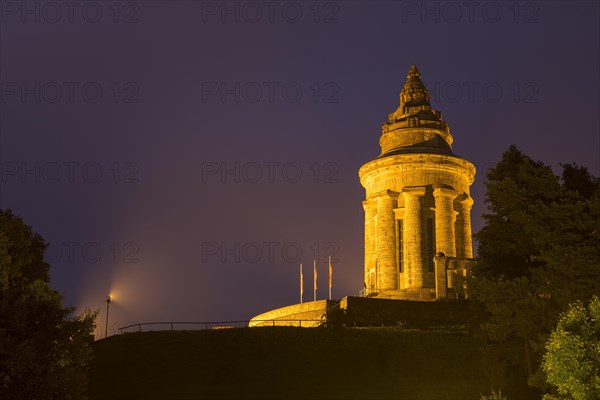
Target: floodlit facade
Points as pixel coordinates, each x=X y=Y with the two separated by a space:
x=418 y=204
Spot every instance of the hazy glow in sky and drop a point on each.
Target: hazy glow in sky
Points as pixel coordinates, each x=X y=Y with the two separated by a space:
x=186 y=163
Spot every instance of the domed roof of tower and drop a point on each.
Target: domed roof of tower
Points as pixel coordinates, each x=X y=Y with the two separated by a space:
x=415 y=127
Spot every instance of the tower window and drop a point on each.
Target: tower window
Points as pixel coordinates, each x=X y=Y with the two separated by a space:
x=373 y=281
x=400 y=252
x=430 y=244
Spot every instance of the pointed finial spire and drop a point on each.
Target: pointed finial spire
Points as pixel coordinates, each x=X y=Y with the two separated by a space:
x=414 y=93
x=415 y=117
x=413 y=73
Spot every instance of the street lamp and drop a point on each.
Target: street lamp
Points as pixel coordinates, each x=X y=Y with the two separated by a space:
x=108 y=300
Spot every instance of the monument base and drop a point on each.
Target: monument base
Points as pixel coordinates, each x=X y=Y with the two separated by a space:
x=366 y=311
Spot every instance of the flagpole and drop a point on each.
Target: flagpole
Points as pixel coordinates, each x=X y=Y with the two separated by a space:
x=315 y=280
x=330 y=277
x=301 y=284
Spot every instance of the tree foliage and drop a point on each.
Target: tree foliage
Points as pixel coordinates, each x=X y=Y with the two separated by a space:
x=493 y=396
x=44 y=352
x=539 y=251
x=572 y=359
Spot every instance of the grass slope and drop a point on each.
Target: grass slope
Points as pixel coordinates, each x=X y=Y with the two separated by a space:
x=288 y=363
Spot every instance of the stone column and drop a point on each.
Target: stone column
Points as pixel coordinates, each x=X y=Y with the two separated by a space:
x=413 y=266
x=386 y=243
x=444 y=221
x=464 y=248
x=370 y=208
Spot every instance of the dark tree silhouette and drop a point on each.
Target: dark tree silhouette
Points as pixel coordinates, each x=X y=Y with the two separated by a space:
x=44 y=352
x=539 y=251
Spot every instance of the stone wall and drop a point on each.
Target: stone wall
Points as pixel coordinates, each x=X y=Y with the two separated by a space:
x=361 y=311
x=308 y=314
x=372 y=311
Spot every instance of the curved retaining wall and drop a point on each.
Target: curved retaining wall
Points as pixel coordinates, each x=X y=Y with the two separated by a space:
x=309 y=314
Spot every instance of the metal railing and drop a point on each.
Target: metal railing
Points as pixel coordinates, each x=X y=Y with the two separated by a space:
x=171 y=325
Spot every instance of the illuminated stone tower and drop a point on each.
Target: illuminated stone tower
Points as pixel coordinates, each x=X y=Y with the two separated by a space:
x=418 y=204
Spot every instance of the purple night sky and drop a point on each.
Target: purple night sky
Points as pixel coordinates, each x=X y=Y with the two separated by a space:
x=120 y=120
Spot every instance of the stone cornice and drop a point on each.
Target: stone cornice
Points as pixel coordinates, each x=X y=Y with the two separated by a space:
x=422 y=160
